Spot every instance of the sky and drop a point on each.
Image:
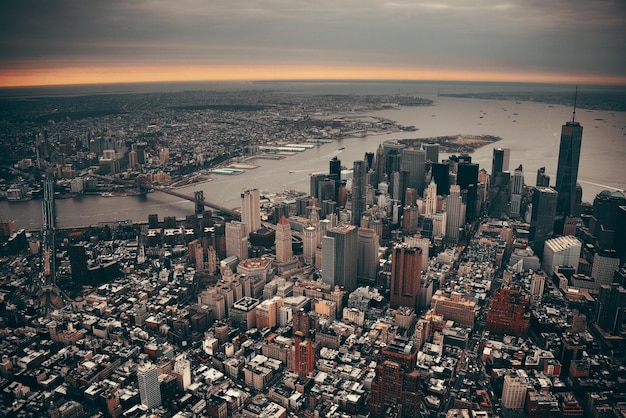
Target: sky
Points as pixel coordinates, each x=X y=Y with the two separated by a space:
x=77 y=42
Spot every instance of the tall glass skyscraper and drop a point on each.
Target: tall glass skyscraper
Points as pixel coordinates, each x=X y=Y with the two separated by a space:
x=567 y=170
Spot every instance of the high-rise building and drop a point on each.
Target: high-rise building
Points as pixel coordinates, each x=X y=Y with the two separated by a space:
x=309 y=244
x=182 y=367
x=339 y=257
x=396 y=386
x=611 y=314
x=455 y=211
x=517 y=191
x=149 y=389
x=406 y=273
x=379 y=166
x=430 y=199
x=543 y=179
x=441 y=176
x=514 y=390
x=567 y=170
x=467 y=179
x=283 y=241
x=561 y=251
x=236 y=240
x=542 y=217
x=302 y=355
x=359 y=189
x=413 y=161
x=432 y=152
x=251 y=210
x=367 y=256
x=500 y=161
x=78 y=262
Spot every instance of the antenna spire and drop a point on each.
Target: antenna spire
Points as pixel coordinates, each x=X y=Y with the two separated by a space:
x=575 y=99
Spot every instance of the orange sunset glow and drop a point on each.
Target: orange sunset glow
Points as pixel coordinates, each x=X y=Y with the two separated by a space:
x=105 y=75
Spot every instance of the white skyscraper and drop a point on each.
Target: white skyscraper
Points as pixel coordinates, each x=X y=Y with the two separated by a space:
x=454 y=210
x=309 y=244
x=430 y=198
x=251 y=209
x=149 y=389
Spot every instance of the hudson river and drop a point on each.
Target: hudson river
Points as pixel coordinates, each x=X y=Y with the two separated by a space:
x=531 y=130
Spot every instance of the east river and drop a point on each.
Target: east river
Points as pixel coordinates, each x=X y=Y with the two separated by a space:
x=531 y=130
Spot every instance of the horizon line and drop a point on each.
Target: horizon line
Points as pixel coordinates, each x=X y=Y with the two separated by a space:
x=77 y=76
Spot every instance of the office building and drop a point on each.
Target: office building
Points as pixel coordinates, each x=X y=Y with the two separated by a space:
x=542 y=217
x=467 y=179
x=516 y=192
x=284 y=252
x=514 y=390
x=359 y=189
x=367 y=256
x=455 y=307
x=406 y=273
x=432 y=152
x=182 y=368
x=430 y=199
x=543 y=179
x=500 y=161
x=243 y=313
x=149 y=389
x=611 y=313
x=396 y=385
x=339 y=257
x=302 y=356
x=567 y=170
x=413 y=161
x=561 y=251
x=441 y=177
x=236 y=240
x=251 y=210
x=310 y=244
x=78 y=262
x=455 y=214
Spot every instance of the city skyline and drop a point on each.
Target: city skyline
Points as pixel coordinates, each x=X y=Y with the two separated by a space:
x=116 y=42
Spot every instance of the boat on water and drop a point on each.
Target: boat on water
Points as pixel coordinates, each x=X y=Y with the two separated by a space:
x=341 y=148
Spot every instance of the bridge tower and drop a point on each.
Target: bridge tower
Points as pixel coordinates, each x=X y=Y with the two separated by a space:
x=199 y=201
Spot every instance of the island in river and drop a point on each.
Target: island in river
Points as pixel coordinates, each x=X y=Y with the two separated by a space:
x=457 y=144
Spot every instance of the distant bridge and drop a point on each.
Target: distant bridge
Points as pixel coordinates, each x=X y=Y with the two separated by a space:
x=145 y=184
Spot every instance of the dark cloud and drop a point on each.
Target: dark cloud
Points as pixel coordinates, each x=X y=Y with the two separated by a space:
x=560 y=35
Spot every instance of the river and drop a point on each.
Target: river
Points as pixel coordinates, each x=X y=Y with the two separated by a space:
x=531 y=130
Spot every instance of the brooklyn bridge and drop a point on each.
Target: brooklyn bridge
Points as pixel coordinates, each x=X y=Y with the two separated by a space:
x=144 y=184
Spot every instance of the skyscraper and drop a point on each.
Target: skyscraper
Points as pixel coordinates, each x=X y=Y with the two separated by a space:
x=367 y=256
x=359 y=188
x=516 y=192
x=339 y=257
x=251 y=210
x=406 y=273
x=467 y=178
x=500 y=161
x=542 y=217
x=455 y=214
x=413 y=161
x=567 y=170
x=542 y=178
x=432 y=152
x=149 y=390
x=236 y=240
x=283 y=241
x=441 y=175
